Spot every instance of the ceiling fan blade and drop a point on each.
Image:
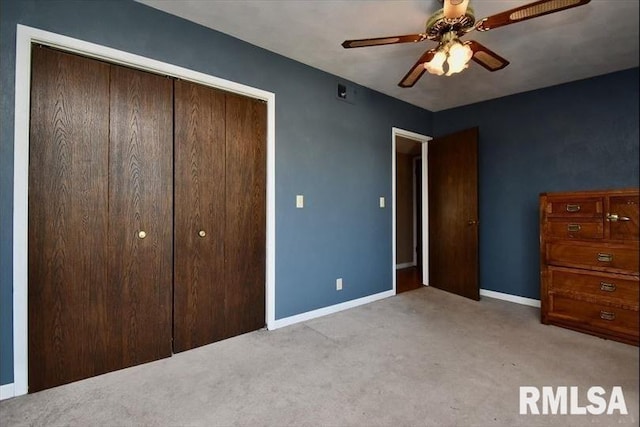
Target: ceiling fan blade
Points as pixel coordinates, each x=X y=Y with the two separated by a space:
x=348 y=44
x=527 y=11
x=486 y=57
x=455 y=8
x=417 y=70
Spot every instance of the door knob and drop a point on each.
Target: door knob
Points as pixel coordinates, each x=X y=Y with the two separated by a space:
x=142 y=234
x=202 y=233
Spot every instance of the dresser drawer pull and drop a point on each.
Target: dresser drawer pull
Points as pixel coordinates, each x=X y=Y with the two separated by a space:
x=573 y=227
x=616 y=217
x=602 y=257
x=607 y=287
x=607 y=315
x=573 y=208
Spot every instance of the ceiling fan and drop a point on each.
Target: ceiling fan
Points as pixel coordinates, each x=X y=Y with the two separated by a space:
x=453 y=21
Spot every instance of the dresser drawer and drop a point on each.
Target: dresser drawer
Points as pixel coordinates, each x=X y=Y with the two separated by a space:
x=574 y=229
x=619 y=259
x=574 y=207
x=600 y=287
x=587 y=314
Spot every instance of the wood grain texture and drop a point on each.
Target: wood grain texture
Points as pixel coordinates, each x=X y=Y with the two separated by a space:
x=591 y=285
x=140 y=199
x=245 y=219
x=576 y=229
x=101 y=171
x=604 y=288
x=574 y=207
x=199 y=282
x=69 y=131
x=626 y=207
x=611 y=257
x=602 y=320
x=453 y=202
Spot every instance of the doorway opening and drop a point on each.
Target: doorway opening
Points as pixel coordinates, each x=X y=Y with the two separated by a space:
x=409 y=210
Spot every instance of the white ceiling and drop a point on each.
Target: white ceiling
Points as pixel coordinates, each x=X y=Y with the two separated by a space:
x=598 y=38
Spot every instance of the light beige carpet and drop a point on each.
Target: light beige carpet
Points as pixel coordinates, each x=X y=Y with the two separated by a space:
x=424 y=357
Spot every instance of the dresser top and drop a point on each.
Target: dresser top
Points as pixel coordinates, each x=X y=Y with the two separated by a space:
x=621 y=192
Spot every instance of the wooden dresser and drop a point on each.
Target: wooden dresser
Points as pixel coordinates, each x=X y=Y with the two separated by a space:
x=589 y=262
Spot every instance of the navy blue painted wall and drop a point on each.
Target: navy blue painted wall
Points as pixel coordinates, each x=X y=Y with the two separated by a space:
x=577 y=136
x=582 y=135
x=337 y=154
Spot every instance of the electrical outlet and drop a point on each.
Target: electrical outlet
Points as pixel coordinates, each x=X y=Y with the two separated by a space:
x=339 y=284
x=299 y=201
x=382 y=202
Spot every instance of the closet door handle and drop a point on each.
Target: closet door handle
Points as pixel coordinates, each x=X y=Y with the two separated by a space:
x=202 y=233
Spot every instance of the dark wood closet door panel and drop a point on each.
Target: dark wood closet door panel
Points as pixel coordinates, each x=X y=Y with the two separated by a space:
x=141 y=217
x=245 y=238
x=198 y=316
x=69 y=130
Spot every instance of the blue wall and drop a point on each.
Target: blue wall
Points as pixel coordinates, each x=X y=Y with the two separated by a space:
x=335 y=153
x=577 y=136
x=582 y=135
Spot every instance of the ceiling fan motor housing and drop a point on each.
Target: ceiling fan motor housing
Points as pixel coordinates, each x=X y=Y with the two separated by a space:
x=437 y=25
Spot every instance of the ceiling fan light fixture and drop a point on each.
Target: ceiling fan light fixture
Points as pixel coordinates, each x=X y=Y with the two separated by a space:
x=455 y=53
x=459 y=57
x=435 y=66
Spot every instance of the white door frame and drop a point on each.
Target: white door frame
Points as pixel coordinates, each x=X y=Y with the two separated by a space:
x=25 y=37
x=423 y=140
x=414 y=194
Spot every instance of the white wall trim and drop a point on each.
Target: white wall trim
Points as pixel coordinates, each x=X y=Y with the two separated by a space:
x=6 y=391
x=511 y=298
x=405 y=265
x=423 y=139
x=414 y=194
x=25 y=36
x=425 y=212
x=280 y=323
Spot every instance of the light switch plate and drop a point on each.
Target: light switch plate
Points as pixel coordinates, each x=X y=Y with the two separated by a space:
x=299 y=201
x=382 y=202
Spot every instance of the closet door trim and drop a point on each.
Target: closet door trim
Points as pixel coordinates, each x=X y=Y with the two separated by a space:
x=25 y=37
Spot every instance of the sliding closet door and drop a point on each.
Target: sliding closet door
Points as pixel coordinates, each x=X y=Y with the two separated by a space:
x=140 y=217
x=68 y=225
x=199 y=295
x=245 y=219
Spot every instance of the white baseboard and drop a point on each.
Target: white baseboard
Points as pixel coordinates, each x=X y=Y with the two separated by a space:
x=511 y=298
x=280 y=323
x=6 y=391
x=405 y=265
